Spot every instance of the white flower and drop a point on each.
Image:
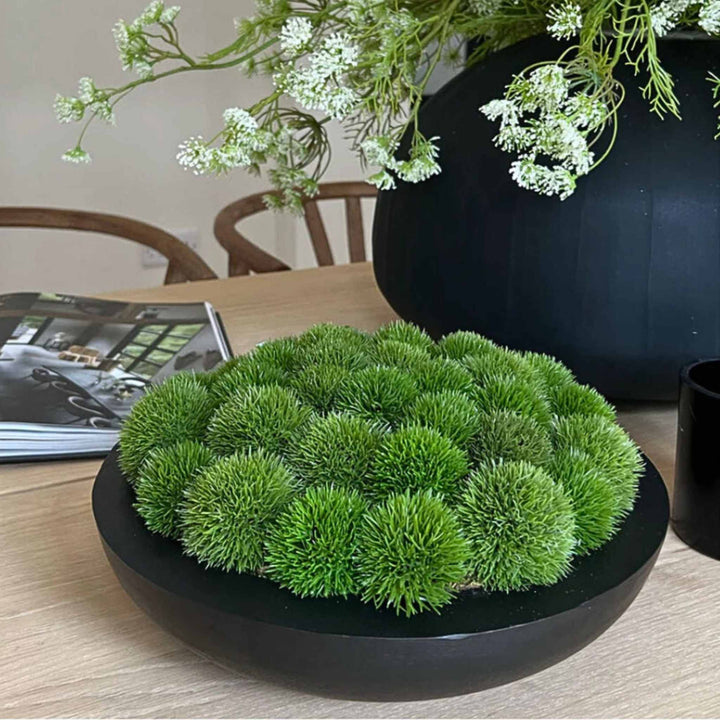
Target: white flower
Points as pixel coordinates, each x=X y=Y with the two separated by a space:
x=586 y=111
x=544 y=180
x=665 y=16
x=485 y=7
x=77 y=156
x=566 y=20
x=379 y=150
x=169 y=14
x=68 y=109
x=87 y=92
x=151 y=14
x=239 y=121
x=295 y=35
x=194 y=154
x=422 y=163
x=321 y=85
x=709 y=19
x=547 y=88
x=382 y=180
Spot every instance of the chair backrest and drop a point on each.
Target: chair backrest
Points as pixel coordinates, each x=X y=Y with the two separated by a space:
x=183 y=263
x=246 y=257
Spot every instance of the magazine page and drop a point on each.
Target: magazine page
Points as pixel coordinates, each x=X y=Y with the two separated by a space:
x=69 y=361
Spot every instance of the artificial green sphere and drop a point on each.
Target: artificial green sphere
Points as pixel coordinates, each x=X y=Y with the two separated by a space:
x=319 y=385
x=463 y=343
x=520 y=525
x=405 y=332
x=281 y=353
x=248 y=372
x=410 y=553
x=380 y=394
x=595 y=502
x=337 y=449
x=393 y=353
x=440 y=375
x=548 y=371
x=508 y=436
x=341 y=345
x=260 y=417
x=312 y=548
x=170 y=413
x=232 y=507
x=573 y=399
x=506 y=393
x=162 y=482
x=417 y=458
x=609 y=448
x=452 y=414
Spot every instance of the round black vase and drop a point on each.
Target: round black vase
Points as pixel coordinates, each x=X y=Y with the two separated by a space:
x=620 y=281
x=347 y=649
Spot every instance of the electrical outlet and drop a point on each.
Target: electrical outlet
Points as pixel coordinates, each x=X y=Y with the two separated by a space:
x=190 y=236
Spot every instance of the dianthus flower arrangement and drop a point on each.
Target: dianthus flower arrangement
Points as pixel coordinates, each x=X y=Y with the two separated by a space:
x=386 y=466
x=366 y=63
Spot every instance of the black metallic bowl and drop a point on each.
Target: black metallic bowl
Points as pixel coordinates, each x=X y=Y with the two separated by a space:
x=347 y=649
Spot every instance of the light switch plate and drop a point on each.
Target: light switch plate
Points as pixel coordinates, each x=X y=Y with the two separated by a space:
x=152 y=258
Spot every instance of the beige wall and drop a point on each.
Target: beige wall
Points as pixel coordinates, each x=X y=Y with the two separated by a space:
x=46 y=45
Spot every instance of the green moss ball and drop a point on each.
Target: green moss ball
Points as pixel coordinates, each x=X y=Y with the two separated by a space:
x=410 y=553
x=610 y=449
x=312 y=548
x=440 y=374
x=405 y=332
x=549 y=371
x=594 y=500
x=249 y=371
x=319 y=385
x=452 y=414
x=393 y=353
x=572 y=399
x=327 y=344
x=232 y=507
x=162 y=482
x=260 y=417
x=497 y=363
x=462 y=343
x=177 y=410
x=377 y=393
x=417 y=458
x=282 y=353
x=506 y=393
x=520 y=525
x=337 y=449
x=508 y=436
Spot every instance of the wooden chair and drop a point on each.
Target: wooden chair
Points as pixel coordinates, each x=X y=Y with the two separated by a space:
x=183 y=263
x=246 y=257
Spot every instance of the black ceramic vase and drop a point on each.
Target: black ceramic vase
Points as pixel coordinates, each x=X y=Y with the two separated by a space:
x=348 y=649
x=620 y=281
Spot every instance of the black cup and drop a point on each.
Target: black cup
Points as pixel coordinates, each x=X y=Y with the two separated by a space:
x=696 y=494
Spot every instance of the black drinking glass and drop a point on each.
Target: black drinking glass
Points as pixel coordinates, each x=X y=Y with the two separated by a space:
x=696 y=494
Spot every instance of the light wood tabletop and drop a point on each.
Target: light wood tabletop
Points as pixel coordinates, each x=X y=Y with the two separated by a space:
x=72 y=644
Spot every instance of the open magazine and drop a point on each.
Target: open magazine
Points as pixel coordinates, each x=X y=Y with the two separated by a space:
x=71 y=368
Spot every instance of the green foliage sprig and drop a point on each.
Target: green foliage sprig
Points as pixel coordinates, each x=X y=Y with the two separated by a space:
x=366 y=65
x=403 y=471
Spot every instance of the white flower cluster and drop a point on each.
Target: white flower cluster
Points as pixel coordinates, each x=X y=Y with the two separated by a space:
x=295 y=35
x=565 y=20
x=90 y=99
x=665 y=15
x=541 y=118
x=320 y=85
x=709 y=19
x=485 y=7
x=131 y=41
x=244 y=145
x=77 y=156
x=421 y=165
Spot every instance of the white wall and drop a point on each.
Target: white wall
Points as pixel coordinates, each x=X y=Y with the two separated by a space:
x=45 y=46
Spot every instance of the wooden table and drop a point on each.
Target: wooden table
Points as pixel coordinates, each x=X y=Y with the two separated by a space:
x=73 y=644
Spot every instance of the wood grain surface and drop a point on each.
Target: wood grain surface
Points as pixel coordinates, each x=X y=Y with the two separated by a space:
x=72 y=644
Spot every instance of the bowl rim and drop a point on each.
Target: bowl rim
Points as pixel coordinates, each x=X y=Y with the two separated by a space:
x=162 y=562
